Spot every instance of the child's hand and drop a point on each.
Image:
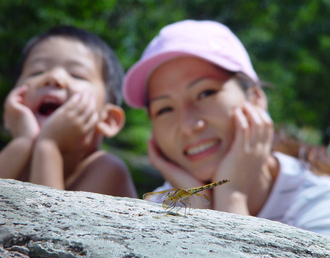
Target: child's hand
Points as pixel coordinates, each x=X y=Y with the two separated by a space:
x=175 y=175
x=250 y=148
x=72 y=125
x=18 y=118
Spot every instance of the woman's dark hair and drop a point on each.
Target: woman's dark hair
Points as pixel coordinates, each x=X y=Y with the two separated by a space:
x=111 y=68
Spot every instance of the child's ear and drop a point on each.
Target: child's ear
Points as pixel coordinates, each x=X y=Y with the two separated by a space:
x=257 y=97
x=112 y=120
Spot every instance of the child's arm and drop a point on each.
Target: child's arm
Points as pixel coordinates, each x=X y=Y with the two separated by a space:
x=14 y=157
x=23 y=126
x=69 y=130
x=243 y=164
x=103 y=173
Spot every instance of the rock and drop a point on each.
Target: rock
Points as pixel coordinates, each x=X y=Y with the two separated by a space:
x=38 y=221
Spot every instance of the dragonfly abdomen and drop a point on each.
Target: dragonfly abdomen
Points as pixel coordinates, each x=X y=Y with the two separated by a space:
x=205 y=187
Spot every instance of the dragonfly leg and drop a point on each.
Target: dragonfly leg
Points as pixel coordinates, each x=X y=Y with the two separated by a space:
x=171 y=206
x=179 y=207
x=183 y=204
x=189 y=206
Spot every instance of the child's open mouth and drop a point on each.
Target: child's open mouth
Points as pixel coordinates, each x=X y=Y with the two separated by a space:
x=48 y=106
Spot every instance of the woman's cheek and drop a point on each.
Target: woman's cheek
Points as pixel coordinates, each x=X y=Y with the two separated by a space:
x=165 y=140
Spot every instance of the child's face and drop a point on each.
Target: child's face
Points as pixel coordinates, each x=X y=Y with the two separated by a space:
x=56 y=69
x=192 y=104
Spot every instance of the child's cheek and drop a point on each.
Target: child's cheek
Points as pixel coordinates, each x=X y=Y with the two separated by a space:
x=30 y=100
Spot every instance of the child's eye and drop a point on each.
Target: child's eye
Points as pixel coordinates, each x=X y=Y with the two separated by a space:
x=163 y=110
x=206 y=93
x=78 y=76
x=35 y=73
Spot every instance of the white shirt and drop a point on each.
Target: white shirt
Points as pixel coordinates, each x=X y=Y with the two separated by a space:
x=298 y=198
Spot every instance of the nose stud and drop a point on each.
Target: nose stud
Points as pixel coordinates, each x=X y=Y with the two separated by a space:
x=200 y=123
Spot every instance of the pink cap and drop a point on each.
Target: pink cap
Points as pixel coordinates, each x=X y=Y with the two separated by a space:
x=211 y=41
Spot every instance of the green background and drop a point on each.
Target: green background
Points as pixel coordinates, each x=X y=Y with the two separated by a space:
x=288 y=42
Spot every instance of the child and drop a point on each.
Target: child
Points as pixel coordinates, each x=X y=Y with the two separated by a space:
x=66 y=98
x=210 y=123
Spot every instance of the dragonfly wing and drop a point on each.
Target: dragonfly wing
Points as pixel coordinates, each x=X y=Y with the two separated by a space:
x=203 y=197
x=157 y=197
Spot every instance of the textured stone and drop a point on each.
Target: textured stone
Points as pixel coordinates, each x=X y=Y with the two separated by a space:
x=37 y=221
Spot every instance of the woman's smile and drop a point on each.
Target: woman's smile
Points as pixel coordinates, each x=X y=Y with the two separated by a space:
x=202 y=149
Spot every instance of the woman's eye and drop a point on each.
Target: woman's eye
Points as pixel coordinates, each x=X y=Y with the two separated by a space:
x=163 y=110
x=206 y=93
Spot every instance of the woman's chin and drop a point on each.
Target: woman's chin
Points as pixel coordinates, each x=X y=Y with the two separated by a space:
x=203 y=174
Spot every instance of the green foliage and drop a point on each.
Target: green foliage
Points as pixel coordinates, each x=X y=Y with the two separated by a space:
x=288 y=42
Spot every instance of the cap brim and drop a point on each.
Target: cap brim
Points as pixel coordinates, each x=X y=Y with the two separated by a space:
x=136 y=78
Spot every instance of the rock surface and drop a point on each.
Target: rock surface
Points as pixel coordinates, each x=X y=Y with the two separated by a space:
x=37 y=221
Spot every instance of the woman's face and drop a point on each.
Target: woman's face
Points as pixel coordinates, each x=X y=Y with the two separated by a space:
x=192 y=104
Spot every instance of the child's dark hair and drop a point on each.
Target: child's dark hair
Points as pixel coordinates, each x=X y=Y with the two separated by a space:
x=112 y=70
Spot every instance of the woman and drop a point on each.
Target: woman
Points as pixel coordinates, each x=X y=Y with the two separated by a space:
x=210 y=123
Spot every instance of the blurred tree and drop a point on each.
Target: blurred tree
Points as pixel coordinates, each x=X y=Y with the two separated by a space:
x=288 y=41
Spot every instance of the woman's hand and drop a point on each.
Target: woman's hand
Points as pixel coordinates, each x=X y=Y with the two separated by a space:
x=19 y=119
x=175 y=175
x=243 y=162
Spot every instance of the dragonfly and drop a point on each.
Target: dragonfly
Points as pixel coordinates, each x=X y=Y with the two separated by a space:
x=178 y=197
